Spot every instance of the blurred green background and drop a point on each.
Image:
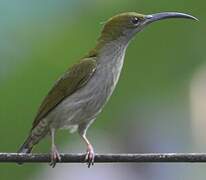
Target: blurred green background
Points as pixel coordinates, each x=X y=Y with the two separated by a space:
x=151 y=109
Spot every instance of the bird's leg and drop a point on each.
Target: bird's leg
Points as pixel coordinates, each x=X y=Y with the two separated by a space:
x=90 y=151
x=55 y=156
x=89 y=158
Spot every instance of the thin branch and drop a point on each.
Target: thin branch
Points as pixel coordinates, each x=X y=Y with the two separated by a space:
x=108 y=158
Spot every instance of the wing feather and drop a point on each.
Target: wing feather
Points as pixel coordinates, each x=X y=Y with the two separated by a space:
x=76 y=77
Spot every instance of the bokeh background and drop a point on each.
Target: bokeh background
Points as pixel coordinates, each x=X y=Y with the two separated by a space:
x=159 y=104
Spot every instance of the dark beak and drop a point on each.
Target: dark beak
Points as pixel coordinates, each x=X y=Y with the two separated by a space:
x=166 y=15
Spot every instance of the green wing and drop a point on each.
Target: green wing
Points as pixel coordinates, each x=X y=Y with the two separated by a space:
x=76 y=77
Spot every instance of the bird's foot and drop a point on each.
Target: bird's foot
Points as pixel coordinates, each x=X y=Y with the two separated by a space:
x=55 y=157
x=89 y=158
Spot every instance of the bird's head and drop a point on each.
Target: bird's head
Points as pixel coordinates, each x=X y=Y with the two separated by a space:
x=126 y=25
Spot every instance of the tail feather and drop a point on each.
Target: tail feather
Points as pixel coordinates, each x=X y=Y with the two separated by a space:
x=26 y=147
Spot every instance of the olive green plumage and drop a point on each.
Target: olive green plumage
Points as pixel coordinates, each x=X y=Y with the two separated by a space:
x=115 y=26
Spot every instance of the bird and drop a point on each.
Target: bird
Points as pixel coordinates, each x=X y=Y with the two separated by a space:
x=80 y=94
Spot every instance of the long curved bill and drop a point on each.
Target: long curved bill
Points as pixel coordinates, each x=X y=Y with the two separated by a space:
x=167 y=15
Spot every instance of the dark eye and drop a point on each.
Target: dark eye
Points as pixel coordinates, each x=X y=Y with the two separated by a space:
x=135 y=20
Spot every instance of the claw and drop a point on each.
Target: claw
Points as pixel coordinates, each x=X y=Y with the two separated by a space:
x=89 y=158
x=55 y=157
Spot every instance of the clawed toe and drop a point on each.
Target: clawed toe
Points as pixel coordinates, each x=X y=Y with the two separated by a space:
x=55 y=157
x=89 y=158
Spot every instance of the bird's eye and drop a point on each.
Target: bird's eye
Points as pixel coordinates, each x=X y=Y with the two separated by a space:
x=135 y=20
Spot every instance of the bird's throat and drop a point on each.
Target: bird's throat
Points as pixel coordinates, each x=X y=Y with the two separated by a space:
x=111 y=54
x=109 y=65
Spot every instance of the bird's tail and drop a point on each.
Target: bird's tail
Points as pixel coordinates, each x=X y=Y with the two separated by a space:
x=26 y=147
